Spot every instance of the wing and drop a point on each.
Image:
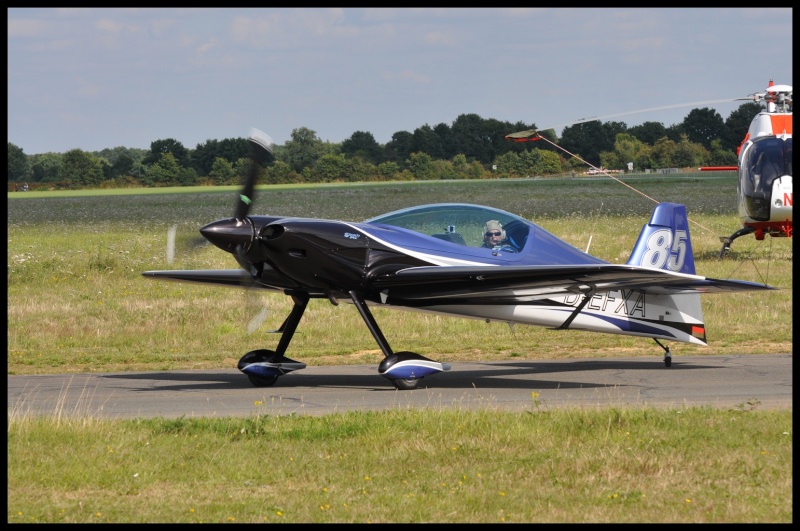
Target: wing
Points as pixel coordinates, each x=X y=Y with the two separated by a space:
x=234 y=278
x=535 y=282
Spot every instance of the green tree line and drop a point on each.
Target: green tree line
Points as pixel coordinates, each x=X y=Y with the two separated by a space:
x=470 y=148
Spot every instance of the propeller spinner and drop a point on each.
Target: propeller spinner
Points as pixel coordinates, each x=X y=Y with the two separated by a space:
x=235 y=235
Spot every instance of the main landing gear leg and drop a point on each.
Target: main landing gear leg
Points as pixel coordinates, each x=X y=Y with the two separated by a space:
x=667 y=354
x=263 y=367
x=404 y=369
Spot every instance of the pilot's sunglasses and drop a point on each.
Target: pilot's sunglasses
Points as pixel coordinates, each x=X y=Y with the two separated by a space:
x=493 y=234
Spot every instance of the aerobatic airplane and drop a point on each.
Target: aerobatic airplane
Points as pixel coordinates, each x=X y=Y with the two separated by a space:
x=435 y=258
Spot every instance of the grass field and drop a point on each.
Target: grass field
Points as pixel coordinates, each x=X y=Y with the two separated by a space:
x=77 y=303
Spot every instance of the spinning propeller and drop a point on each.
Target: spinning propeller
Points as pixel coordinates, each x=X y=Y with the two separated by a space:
x=180 y=244
x=261 y=145
x=237 y=234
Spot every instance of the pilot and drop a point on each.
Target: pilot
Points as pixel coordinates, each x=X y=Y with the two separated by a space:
x=494 y=237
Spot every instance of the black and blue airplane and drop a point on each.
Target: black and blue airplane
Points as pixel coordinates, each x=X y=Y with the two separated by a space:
x=432 y=258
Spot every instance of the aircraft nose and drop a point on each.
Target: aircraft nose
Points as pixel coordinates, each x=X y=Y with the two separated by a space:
x=229 y=234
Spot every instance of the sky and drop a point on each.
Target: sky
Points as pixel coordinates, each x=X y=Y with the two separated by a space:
x=101 y=78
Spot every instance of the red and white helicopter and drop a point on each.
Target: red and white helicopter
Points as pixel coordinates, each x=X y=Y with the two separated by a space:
x=765 y=165
x=765 y=169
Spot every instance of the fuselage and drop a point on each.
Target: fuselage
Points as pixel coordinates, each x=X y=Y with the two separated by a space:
x=331 y=259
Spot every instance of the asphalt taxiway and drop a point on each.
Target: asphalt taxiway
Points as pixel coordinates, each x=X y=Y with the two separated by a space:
x=736 y=381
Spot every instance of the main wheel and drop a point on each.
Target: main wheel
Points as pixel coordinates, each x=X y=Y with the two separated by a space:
x=406 y=385
x=262 y=381
x=255 y=356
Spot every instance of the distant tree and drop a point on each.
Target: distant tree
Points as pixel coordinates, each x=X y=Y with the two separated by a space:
x=138 y=169
x=701 y=126
x=400 y=147
x=675 y=131
x=721 y=156
x=508 y=164
x=614 y=128
x=473 y=137
x=121 y=166
x=240 y=168
x=538 y=162
x=443 y=169
x=186 y=177
x=303 y=150
x=19 y=166
x=278 y=173
x=46 y=167
x=363 y=145
x=628 y=148
x=545 y=162
x=460 y=165
x=663 y=152
x=421 y=165
x=165 y=172
x=388 y=169
x=359 y=170
x=204 y=155
x=446 y=140
x=82 y=169
x=689 y=154
x=476 y=170
x=589 y=139
x=168 y=145
x=427 y=141
x=222 y=172
x=112 y=155
x=232 y=149
x=496 y=131
x=331 y=168
x=648 y=132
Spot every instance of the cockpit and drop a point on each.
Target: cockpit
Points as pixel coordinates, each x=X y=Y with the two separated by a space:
x=769 y=158
x=458 y=223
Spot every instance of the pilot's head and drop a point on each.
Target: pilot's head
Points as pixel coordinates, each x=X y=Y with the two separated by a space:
x=493 y=232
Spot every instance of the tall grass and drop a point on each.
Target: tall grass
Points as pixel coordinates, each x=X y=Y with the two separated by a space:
x=616 y=465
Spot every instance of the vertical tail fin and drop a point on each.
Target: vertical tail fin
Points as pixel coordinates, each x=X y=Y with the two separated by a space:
x=664 y=242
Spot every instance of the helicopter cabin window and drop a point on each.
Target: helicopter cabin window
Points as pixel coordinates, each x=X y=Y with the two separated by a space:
x=768 y=159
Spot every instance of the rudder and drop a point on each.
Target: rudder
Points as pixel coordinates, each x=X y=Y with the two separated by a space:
x=664 y=242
